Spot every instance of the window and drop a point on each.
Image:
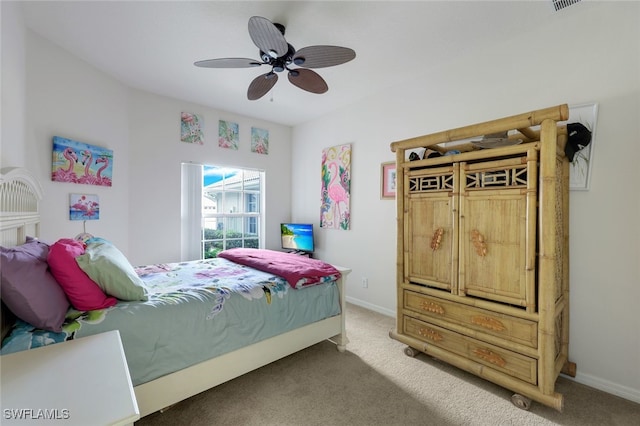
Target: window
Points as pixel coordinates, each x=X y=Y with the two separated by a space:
x=229 y=211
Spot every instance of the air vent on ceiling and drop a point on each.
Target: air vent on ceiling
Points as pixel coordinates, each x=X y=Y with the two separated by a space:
x=561 y=4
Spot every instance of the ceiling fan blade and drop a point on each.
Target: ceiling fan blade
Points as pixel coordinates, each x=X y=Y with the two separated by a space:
x=308 y=80
x=228 y=63
x=323 y=56
x=267 y=37
x=261 y=85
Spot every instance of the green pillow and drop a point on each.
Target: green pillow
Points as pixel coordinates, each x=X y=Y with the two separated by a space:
x=110 y=269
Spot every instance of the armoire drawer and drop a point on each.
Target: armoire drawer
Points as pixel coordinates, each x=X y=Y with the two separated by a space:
x=507 y=362
x=506 y=327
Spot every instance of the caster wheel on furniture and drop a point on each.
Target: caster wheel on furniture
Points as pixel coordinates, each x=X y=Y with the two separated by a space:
x=409 y=351
x=521 y=402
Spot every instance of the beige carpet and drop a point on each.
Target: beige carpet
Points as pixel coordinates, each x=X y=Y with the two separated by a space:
x=374 y=383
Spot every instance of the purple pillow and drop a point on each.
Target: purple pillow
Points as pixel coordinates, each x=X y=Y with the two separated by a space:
x=28 y=288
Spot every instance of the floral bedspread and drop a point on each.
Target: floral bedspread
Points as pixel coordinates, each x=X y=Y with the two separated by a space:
x=196 y=310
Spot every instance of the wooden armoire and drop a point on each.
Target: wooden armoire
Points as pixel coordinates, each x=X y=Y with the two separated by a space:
x=483 y=253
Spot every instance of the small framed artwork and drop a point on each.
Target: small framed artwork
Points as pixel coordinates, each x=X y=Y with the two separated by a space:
x=228 y=134
x=259 y=140
x=84 y=207
x=388 y=180
x=191 y=128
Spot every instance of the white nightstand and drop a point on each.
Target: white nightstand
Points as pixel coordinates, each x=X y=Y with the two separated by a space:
x=80 y=382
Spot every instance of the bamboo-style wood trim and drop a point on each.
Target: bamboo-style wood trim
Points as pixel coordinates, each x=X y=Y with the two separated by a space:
x=475 y=155
x=565 y=260
x=552 y=399
x=547 y=257
x=497 y=164
x=502 y=309
x=533 y=118
x=402 y=242
x=455 y=226
x=530 y=225
x=530 y=134
x=460 y=218
x=491 y=339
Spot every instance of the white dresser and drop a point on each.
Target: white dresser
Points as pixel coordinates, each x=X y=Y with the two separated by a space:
x=80 y=382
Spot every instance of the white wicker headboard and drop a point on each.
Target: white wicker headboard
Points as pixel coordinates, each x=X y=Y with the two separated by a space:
x=20 y=194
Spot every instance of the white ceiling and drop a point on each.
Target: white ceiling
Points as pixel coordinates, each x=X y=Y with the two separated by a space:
x=152 y=45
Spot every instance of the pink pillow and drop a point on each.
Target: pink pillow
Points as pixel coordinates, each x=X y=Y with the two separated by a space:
x=84 y=294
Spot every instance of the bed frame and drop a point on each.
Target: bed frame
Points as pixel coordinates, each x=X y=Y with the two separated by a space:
x=20 y=194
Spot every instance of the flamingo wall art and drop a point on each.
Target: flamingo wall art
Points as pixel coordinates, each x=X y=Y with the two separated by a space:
x=336 y=187
x=259 y=140
x=228 y=134
x=77 y=162
x=84 y=207
x=191 y=128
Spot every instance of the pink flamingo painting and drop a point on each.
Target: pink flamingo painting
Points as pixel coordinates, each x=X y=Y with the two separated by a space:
x=87 y=177
x=66 y=167
x=336 y=192
x=66 y=175
x=336 y=182
x=102 y=180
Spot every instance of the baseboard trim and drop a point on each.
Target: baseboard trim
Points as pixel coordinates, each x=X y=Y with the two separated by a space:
x=608 y=387
x=371 y=307
x=585 y=379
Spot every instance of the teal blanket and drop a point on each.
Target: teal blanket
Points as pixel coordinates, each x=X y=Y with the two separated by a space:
x=196 y=311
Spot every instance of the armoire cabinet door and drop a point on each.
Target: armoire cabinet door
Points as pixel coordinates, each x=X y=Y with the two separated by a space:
x=431 y=229
x=497 y=241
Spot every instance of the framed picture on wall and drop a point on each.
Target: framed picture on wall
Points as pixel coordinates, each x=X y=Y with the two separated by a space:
x=388 y=180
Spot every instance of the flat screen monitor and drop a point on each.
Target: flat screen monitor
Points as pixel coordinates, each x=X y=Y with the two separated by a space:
x=297 y=237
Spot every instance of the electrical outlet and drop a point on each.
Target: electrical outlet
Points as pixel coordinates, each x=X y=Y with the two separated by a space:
x=365 y=282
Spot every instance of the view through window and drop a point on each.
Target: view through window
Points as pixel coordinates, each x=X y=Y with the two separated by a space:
x=231 y=209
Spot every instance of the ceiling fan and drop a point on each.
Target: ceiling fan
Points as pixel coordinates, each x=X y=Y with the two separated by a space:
x=280 y=55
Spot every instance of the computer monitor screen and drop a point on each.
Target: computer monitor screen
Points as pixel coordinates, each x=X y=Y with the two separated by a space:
x=297 y=236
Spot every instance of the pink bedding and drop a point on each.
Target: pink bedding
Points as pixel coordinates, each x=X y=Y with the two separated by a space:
x=299 y=271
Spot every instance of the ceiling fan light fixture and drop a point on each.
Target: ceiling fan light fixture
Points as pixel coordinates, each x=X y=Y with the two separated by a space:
x=276 y=52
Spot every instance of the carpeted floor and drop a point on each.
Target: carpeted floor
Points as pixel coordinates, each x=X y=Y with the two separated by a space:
x=374 y=383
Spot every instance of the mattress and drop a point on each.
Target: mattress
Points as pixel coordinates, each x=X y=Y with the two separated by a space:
x=196 y=310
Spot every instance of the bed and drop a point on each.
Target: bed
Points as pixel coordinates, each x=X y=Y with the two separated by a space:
x=225 y=316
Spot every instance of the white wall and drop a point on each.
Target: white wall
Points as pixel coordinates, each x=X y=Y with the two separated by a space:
x=140 y=213
x=589 y=55
x=156 y=154
x=12 y=121
x=69 y=98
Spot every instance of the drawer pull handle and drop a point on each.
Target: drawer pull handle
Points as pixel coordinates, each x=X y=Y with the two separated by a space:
x=478 y=242
x=488 y=322
x=437 y=239
x=430 y=334
x=432 y=307
x=489 y=356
